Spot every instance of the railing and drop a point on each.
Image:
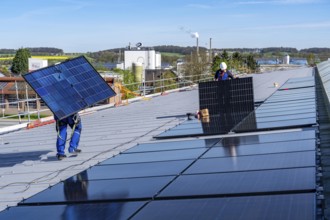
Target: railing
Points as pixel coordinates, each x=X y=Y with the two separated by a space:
x=164 y=84
x=27 y=107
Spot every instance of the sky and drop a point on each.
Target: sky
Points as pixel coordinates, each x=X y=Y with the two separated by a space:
x=96 y=25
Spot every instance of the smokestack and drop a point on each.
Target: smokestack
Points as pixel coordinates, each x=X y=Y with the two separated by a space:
x=196 y=35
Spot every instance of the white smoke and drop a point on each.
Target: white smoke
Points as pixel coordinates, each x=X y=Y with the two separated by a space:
x=188 y=31
x=194 y=35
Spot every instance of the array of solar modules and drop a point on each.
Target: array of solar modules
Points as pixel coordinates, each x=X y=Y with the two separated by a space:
x=324 y=74
x=229 y=96
x=228 y=102
x=69 y=87
x=261 y=176
x=265 y=176
x=323 y=80
x=291 y=106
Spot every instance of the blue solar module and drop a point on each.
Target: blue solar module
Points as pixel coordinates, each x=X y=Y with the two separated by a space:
x=156 y=156
x=284 y=109
x=69 y=87
x=233 y=147
x=109 y=210
x=75 y=189
x=290 y=206
x=163 y=168
x=299 y=83
x=242 y=183
x=308 y=133
x=212 y=125
x=173 y=145
x=253 y=162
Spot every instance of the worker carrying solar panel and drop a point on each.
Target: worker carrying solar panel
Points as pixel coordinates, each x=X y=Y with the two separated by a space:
x=74 y=121
x=223 y=73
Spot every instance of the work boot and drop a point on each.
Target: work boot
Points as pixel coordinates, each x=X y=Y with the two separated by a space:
x=75 y=151
x=60 y=156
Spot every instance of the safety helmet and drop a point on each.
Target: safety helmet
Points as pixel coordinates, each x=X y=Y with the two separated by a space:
x=223 y=66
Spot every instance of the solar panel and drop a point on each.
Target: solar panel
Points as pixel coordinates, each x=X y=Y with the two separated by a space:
x=279 y=138
x=214 y=124
x=253 y=162
x=249 y=124
x=155 y=156
x=69 y=87
x=308 y=82
x=279 y=113
x=109 y=210
x=173 y=145
x=291 y=206
x=287 y=110
x=242 y=183
x=228 y=102
x=163 y=168
x=229 y=96
x=238 y=149
x=74 y=189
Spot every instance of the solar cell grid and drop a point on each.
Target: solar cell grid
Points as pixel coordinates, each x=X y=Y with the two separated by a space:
x=297 y=85
x=249 y=124
x=278 y=113
x=241 y=183
x=294 y=206
x=238 y=148
x=87 y=211
x=75 y=189
x=288 y=109
x=253 y=162
x=173 y=145
x=69 y=87
x=227 y=96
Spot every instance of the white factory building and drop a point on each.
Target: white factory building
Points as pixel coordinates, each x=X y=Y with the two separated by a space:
x=148 y=59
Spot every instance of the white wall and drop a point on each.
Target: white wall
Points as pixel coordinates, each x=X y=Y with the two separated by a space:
x=158 y=60
x=148 y=58
x=35 y=64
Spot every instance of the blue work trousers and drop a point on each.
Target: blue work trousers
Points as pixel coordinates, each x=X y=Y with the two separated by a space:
x=61 y=127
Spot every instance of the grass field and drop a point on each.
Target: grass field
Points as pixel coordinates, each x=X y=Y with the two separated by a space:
x=172 y=54
x=41 y=57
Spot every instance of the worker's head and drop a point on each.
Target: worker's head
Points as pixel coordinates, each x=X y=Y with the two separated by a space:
x=223 y=66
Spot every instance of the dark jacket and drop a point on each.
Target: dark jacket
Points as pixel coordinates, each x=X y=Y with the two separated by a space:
x=227 y=75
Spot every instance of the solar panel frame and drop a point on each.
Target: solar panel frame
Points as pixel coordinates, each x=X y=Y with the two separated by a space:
x=69 y=87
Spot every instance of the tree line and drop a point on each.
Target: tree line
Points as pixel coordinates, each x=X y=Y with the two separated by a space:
x=240 y=59
x=35 y=51
x=116 y=54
